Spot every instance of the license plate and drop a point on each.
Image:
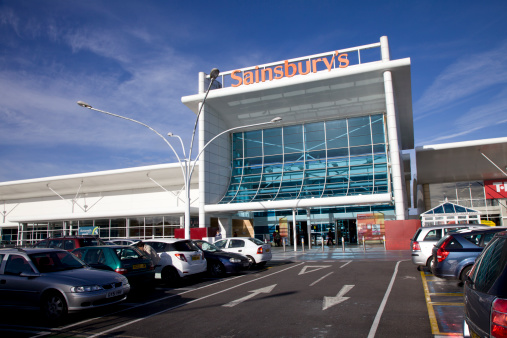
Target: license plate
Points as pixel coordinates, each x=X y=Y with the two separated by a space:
x=196 y=258
x=267 y=250
x=139 y=266
x=246 y=264
x=114 y=293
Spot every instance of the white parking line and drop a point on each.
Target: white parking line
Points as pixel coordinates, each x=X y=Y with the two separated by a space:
x=190 y=302
x=374 y=326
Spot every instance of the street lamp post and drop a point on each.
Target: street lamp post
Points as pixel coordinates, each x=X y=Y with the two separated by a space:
x=186 y=165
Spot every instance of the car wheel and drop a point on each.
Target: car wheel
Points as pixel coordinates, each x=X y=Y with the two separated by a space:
x=216 y=269
x=170 y=276
x=429 y=262
x=54 y=306
x=261 y=264
x=464 y=273
x=251 y=260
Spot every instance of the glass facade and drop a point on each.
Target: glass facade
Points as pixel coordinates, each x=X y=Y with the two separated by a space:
x=343 y=157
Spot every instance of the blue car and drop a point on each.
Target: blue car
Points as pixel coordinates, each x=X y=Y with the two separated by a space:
x=485 y=292
x=221 y=262
x=455 y=254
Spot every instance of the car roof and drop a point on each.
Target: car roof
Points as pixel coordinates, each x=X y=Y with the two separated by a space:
x=29 y=250
x=116 y=246
x=488 y=229
x=165 y=240
x=454 y=226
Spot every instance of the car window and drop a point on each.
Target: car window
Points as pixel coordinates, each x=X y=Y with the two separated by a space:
x=55 y=243
x=69 y=244
x=416 y=234
x=42 y=244
x=453 y=244
x=127 y=253
x=221 y=244
x=90 y=242
x=16 y=264
x=55 y=261
x=433 y=235
x=185 y=246
x=95 y=256
x=474 y=238
x=486 y=238
x=256 y=241
x=158 y=246
x=489 y=266
x=446 y=230
x=1 y=259
x=236 y=243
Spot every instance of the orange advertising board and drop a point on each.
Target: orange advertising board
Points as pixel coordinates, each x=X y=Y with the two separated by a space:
x=370 y=226
x=284 y=227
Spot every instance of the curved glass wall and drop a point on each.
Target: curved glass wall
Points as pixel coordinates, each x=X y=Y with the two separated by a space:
x=324 y=159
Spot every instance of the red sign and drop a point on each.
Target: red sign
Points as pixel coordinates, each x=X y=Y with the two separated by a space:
x=495 y=189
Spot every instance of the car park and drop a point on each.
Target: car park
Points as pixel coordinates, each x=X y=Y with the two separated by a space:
x=69 y=243
x=56 y=282
x=220 y=262
x=485 y=292
x=257 y=252
x=426 y=237
x=454 y=254
x=178 y=258
x=123 y=259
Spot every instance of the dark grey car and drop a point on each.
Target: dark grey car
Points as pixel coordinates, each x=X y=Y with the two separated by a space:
x=56 y=282
x=485 y=292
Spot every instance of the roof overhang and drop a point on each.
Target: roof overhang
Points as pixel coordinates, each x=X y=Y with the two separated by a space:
x=88 y=215
x=462 y=161
x=300 y=203
x=166 y=175
x=344 y=92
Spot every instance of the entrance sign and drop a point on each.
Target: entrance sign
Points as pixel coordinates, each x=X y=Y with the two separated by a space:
x=284 y=227
x=287 y=69
x=495 y=189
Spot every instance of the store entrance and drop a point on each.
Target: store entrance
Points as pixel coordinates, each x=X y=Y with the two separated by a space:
x=346 y=229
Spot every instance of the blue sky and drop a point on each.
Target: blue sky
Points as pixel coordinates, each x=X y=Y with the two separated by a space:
x=138 y=58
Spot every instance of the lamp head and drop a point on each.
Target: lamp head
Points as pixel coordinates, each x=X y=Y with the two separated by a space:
x=83 y=104
x=170 y=134
x=214 y=73
x=276 y=119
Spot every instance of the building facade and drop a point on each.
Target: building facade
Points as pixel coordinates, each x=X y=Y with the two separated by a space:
x=334 y=162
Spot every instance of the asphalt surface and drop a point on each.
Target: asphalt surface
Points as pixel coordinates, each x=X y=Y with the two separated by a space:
x=359 y=292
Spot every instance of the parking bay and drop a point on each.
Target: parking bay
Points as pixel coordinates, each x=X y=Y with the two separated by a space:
x=299 y=299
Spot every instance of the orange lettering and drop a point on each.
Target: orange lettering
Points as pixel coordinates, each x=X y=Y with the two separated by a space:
x=234 y=77
x=292 y=66
x=307 y=67
x=279 y=72
x=256 y=74
x=249 y=78
x=344 y=60
x=263 y=74
x=329 y=65
x=314 y=62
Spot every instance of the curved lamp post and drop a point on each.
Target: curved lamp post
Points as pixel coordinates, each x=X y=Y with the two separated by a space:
x=185 y=163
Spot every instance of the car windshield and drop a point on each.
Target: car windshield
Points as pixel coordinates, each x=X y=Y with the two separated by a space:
x=56 y=261
x=205 y=246
x=256 y=241
x=221 y=244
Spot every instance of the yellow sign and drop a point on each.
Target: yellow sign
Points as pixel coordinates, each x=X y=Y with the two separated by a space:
x=486 y=222
x=284 y=227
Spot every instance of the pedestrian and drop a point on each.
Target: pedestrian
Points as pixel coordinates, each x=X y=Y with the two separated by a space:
x=218 y=235
x=277 y=238
x=235 y=234
x=149 y=251
x=330 y=237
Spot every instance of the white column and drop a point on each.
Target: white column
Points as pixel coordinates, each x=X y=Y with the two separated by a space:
x=202 y=162
x=294 y=229
x=309 y=228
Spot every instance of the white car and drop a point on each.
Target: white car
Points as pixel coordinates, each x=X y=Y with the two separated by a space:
x=178 y=258
x=257 y=252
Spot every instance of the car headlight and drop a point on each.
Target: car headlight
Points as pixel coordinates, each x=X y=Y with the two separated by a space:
x=85 y=288
x=234 y=260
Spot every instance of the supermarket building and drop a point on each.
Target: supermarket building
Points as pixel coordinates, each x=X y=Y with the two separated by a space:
x=334 y=162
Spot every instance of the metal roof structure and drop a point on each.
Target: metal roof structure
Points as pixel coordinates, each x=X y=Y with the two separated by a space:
x=462 y=161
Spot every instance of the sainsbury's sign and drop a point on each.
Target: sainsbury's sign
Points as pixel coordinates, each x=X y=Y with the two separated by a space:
x=495 y=189
x=287 y=69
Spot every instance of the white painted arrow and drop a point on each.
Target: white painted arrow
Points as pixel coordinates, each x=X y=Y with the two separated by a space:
x=254 y=293
x=330 y=301
x=312 y=268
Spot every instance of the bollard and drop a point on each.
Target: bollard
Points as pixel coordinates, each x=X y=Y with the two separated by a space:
x=283 y=241
x=322 y=241
x=343 y=244
x=384 y=242
x=303 y=244
x=364 y=244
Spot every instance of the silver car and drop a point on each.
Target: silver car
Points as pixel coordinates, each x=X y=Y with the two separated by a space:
x=426 y=237
x=56 y=282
